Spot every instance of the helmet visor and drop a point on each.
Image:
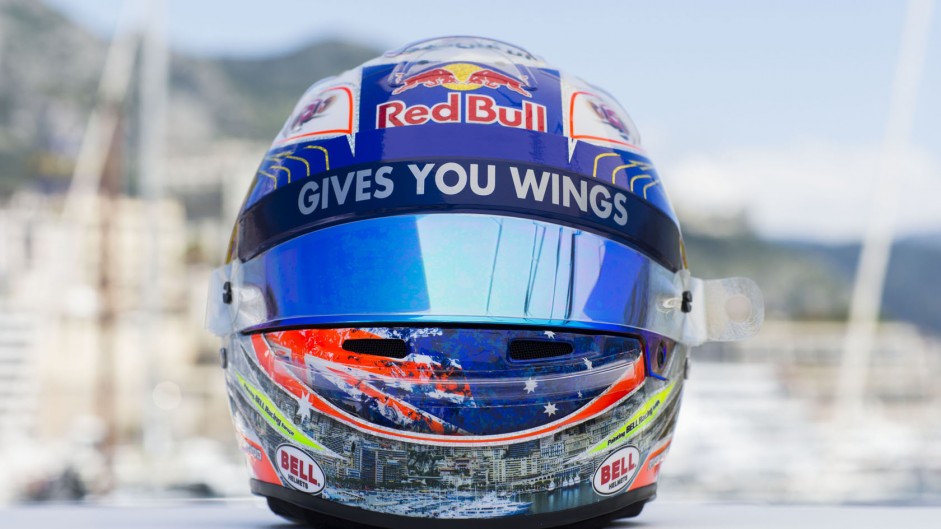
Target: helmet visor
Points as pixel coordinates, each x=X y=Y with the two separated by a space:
x=458 y=268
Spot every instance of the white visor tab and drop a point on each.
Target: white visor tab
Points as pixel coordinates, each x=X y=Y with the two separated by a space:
x=723 y=310
x=233 y=305
x=219 y=316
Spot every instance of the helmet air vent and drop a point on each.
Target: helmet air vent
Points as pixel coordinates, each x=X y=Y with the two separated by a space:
x=390 y=348
x=538 y=349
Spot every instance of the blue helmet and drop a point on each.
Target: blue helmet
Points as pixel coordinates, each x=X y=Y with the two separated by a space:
x=457 y=290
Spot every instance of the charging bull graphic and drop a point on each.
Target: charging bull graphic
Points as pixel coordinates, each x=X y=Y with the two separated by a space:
x=461 y=76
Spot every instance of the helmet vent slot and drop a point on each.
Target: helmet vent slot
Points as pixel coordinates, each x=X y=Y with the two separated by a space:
x=538 y=349
x=388 y=347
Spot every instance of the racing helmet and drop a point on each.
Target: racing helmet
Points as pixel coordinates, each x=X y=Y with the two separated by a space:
x=456 y=295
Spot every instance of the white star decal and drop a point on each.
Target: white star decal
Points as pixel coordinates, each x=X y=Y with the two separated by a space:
x=549 y=334
x=579 y=394
x=530 y=386
x=588 y=364
x=550 y=409
x=303 y=406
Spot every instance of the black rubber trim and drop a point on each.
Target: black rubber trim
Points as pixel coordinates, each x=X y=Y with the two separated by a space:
x=387 y=347
x=524 y=349
x=319 y=512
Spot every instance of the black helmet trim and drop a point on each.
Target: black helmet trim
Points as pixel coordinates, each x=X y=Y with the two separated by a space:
x=334 y=514
x=458 y=185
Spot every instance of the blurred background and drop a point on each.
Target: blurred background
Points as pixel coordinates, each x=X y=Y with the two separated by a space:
x=793 y=137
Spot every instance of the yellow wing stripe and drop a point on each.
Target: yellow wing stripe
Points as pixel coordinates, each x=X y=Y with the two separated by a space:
x=326 y=155
x=594 y=170
x=282 y=168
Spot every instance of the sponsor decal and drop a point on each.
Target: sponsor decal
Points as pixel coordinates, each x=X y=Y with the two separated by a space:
x=460 y=107
x=616 y=471
x=299 y=470
x=637 y=422
x=371 y=190
x=327 y=112
x=473 y=108
x=609 y=116
x=249 y=448
x=479 y=180
x=275 y=418
x=461 y=76
x=650 y=470
x=595 y=119
x=314 y=109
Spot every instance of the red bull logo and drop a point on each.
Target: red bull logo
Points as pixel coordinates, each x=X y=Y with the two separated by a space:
x=462 y=76
x=462 y=108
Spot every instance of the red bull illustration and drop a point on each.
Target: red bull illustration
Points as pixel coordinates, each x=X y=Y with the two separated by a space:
x=610 y=116
x=428 y=79
x=321 y=114
x=594 y=119
x=462 y=76
x=314 y=109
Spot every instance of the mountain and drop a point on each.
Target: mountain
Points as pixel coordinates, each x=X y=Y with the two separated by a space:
x=49 y=74
x=47 y=78
x=251 y=98
x=913 y=286
x=807 y=280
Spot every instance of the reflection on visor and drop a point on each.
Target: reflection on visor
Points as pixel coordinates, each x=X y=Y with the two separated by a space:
x=451 y=268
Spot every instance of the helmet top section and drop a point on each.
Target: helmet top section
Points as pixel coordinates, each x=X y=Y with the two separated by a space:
x=455 y=48
x=475 y=125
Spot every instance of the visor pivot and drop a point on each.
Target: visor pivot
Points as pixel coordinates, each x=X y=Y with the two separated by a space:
x=687 y=305
x=227 y=293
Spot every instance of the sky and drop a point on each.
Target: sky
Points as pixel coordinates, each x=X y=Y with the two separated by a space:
x=777 y=109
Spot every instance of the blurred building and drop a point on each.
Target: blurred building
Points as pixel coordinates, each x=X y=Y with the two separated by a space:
x=19 y=396
x=759 y=420
x=87 y=346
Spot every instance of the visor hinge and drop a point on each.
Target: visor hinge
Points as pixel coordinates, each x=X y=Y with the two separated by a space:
x=687 y=305
x=227 y=293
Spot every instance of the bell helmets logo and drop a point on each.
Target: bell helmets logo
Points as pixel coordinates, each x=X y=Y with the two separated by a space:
x=616 y=471
x=299 y=469
x=471 y=108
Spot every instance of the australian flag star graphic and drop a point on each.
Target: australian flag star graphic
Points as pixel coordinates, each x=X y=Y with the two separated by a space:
x=456 y=381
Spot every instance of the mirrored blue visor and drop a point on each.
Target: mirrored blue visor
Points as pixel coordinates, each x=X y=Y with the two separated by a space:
x=456 y=268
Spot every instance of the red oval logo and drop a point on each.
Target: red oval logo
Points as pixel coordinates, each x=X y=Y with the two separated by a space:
x=299 y=470
x=617 y=471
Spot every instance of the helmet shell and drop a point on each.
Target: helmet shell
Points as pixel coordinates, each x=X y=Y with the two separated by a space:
x=456 y=250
